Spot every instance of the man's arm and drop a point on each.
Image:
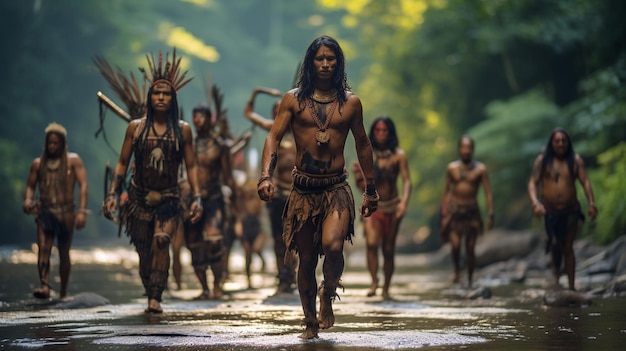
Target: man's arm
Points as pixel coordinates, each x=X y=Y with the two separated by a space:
x=81 y=178
x=265 y=188
x=488 y=197
x=535 y=178
x=192 y=172
x=229 y=180
x=254 y=117
x=119 y=171
x=365 y=156
x=445 y=199
x=31 y=184
x=586 y=184
x=406 y=184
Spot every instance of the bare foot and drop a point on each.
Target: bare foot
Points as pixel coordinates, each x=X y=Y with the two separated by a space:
x=385 y=294
x=205 y=295
x=373 y=287
x=456 y=279
x=312 y=328
x=42 y=293
x=217 y=293
x=154 y=307
x=327 y=317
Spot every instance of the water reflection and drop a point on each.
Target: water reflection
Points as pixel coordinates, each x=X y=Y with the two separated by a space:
x=418 y=317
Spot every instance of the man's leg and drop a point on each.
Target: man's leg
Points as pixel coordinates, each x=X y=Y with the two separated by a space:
x=44 y=246
x=470 y=244
x=217 y=251
x=200 y=271
x=569 y=257
x=307 y=282
x=177 y=244
x=160 y=263
x=556 y=254
x=65 y=264
x=286 y=273
x=389 y=252
x=247 y=248
x=334 y=231
x=372 y=242
x=455 y=247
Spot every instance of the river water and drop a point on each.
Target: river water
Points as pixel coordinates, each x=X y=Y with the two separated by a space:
x=419 y=316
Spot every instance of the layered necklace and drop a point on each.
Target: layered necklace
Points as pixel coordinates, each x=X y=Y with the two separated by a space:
x=323 y=97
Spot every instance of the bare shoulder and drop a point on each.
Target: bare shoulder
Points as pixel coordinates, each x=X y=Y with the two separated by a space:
x=400 y=153
x=579 y=159
x=134 y=124
x=481 y=166
x=36 y=162
x=352 y=98
x=454 y=164
x=290 y=96
x=73 y=156
x=184 y=125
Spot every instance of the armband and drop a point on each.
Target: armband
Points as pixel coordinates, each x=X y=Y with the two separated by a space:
x=262 y=179
x=370 y=189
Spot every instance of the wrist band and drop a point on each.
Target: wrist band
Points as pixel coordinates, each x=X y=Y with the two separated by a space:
x=262 y=179
x=370 y=189
x=371 y=197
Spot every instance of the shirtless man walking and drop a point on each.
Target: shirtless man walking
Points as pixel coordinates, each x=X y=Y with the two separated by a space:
x=461 y=216
x=319 y=214
x=282 y=183
x=556 y=170
x=56 y=172
x=205 y=238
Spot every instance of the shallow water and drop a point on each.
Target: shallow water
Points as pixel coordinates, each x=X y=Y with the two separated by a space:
x=418 y=317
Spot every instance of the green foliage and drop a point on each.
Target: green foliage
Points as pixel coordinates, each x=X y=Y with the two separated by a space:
x=14 y=180
x=610 y=193
x=508 y=142
x=506 y=72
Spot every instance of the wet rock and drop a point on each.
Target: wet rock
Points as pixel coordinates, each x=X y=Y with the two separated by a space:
x=496 y=246
x=81 y=300
x=467 y=294
x=566 y=298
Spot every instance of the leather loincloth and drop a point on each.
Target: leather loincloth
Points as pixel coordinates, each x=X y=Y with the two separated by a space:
x=51 y=218
x=144 y=208
x=312 y=199
x=558 y=222
x=461 y=219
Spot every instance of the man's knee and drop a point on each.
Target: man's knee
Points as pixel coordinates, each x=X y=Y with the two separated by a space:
x=216 y=249
x=162 y=239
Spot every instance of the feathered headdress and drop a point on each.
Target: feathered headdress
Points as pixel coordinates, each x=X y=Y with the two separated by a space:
x=127 y=89
x=167 y=73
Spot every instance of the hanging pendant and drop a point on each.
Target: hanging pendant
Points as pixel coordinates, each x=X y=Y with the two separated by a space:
x=322 y=137
x=157 y=159
x=53 y=164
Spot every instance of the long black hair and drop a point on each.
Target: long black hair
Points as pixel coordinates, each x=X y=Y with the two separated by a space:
x=172 y=120
x=548 y=153
x=307 y=74
x=392 y=138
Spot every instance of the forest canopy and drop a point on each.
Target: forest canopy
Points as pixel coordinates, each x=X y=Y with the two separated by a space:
x=504 y=72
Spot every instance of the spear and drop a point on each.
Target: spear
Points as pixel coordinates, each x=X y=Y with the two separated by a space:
x=113 y=106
